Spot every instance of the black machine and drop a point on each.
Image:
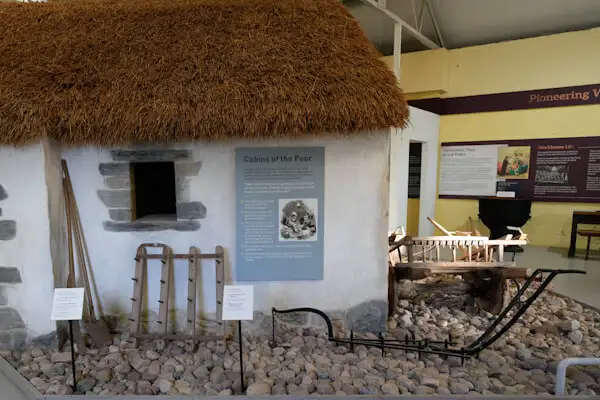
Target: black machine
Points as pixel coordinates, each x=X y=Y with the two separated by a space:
x=498 y=214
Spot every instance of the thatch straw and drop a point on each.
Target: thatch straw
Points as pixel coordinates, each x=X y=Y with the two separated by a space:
x=108 y=72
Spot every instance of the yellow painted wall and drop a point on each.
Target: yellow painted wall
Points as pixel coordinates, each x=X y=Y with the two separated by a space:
x=567 y=59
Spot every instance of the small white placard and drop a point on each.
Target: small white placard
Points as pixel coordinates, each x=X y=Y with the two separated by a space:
x=238 y=303
x=508 y=195
x=67 y=304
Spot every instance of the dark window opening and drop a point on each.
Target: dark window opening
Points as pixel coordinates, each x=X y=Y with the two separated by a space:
x=153 y=190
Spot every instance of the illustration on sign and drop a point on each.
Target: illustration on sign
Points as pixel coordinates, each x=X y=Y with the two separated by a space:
x=279 y=213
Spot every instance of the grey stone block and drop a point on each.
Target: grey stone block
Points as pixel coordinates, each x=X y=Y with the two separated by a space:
x=19 y=338
x=120 y=214
x=152 y=226
x=369 y=316
x=150 y=155
x=10 y=319
x=47 y=340
x=114 y=169
x=8 y=229
x=115 y=198
x=187 y=168
x=117 y=182
x=294 y=318
x=10 y=275
x=191 y=210
x=3 y=194
x=13 y=339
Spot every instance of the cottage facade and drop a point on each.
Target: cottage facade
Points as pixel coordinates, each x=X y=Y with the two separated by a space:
x=188 y=112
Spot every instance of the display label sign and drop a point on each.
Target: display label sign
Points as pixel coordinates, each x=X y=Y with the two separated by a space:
x=279 y=213
x=565 y=169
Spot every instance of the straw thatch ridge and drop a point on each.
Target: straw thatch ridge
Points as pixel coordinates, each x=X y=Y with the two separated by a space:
x=107 y=72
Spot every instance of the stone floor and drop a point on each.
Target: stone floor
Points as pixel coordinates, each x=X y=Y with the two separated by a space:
x=522 y=362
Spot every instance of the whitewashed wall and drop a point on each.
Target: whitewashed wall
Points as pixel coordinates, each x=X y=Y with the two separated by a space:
x=22 y=174
x=356 y=205
x=423 y=127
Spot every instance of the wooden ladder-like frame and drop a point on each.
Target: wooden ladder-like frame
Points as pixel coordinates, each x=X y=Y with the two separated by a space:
x=167 y=259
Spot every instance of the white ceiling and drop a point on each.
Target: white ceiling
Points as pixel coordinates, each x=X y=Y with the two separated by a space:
x=463 y=23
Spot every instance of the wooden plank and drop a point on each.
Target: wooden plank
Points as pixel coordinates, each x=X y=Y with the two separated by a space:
x=220 y=283
x=183 y=256
x=459 y=265
x=193 y=270
x=138 y=286
x=165 y=280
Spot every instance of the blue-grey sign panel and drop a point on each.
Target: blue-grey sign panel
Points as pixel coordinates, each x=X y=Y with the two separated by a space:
x=279 y=213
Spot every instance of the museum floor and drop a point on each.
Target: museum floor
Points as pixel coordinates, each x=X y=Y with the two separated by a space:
x=583 y=288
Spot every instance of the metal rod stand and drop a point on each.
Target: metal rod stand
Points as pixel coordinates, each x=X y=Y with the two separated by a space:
x=242 y=384
x=71 y=340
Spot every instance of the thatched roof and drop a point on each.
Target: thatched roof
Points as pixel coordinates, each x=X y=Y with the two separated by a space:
x=109 y=72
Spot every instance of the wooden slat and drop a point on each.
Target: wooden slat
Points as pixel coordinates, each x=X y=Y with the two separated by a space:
x=182 y=256
x=448 y=265
x=165 y=281
x=193 y=270
x=220 y=282
x=138 y=290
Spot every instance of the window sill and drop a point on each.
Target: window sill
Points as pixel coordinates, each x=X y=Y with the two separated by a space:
x=152 y=225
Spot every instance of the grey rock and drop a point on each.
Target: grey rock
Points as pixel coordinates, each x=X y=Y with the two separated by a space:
x=201 y=371
x=64 y=357
x=523 y=354
x=258 y=389
x=431 y=382
x=458 y=388
x=576 y=336
x=10 y=319
x=86 y=384
x=217 y=375
x=144 y=388
x=390 y=389
x=369 y=316
x=104 y=376
x=424 y=390
x=569 y=326
x=152 y=355
x=325 y=388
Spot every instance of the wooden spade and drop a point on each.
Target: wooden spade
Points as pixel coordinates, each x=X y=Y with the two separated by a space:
x=97 y=328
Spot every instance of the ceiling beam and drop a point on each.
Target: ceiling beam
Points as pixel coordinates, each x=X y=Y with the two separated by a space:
x=438 y=31
x=414 y=32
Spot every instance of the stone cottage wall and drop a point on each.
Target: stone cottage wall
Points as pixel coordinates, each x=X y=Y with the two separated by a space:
x=354 y=290
x=26 y=279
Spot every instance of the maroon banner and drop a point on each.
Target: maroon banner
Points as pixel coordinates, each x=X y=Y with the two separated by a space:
x=554 y=170
x=530 y=99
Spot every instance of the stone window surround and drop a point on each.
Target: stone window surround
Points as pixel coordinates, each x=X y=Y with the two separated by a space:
x=116 y=195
